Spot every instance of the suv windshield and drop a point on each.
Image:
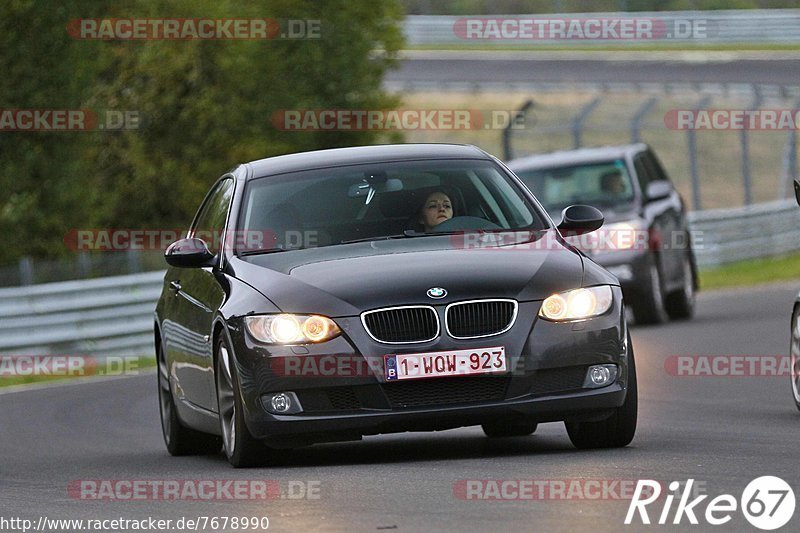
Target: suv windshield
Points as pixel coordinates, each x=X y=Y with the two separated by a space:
x=381 y=200
x=605 y=184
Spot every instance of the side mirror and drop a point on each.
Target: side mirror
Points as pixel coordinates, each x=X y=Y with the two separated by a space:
x=189 y=253
x=658 y=190
x=580 y=219
x=797 y=191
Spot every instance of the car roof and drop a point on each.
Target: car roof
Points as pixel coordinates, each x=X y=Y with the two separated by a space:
x=362 y=154
x=573 y=157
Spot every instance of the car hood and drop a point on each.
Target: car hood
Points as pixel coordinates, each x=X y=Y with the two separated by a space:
x=345 y=280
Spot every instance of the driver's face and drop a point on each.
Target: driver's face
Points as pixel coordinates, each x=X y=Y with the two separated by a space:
x=436 y=210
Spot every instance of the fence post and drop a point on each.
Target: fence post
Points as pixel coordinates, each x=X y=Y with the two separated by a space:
x=25 y=271
x=697 y=203
x=580 y=118
x=745 y=144
x=636 y=121
x=507 y=153
x=789 y=173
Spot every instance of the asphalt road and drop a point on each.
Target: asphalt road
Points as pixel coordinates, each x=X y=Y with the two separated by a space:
x=593 y=67
x=721 y=431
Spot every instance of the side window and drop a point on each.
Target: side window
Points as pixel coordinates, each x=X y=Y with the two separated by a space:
x=642 y=171
x=656 y=170
x=210 y=222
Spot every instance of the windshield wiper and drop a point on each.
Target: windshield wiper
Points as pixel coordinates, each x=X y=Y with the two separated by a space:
x=378 y=238
x=266 y=251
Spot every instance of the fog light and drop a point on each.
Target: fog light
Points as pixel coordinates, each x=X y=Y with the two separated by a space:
x=600 y=376
x=281 y=403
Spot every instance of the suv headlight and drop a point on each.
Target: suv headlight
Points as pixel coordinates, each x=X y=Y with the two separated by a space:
x=624 y=236
x=577 y=304
x=291 y=329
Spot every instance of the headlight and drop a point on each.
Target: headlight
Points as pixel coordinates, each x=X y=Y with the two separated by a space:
x=624 y=236
x=291 y=329
x=577 y=304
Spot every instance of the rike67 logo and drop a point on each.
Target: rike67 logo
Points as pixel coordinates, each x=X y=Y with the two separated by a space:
x=767 y=502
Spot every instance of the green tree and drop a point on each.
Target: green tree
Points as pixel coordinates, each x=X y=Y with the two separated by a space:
x=203 y=107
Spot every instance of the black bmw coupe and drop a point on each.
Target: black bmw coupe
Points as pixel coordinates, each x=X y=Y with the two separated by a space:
x=328 y=295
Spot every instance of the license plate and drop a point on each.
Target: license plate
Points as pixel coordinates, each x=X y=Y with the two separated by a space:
x=440 y=364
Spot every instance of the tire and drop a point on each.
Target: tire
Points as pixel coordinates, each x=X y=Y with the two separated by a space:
x=648 y=303
x=680 y=303
x=241 y=448
x=179 y=439
x=617 y=430
x=519 y=428
x=794 y=351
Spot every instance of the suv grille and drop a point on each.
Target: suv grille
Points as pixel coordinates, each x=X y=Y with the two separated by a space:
x=480 y=318
x=402 y=324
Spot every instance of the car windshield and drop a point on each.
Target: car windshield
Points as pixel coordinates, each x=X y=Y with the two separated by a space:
x=376 y=201
x=605 y=184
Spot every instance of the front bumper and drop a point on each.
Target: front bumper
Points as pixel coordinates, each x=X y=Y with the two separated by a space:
x=547 y=361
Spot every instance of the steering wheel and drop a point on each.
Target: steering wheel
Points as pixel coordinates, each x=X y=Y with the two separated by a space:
x=465 y=223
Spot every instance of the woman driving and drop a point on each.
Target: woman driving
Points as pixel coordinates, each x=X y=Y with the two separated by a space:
x=436 y=209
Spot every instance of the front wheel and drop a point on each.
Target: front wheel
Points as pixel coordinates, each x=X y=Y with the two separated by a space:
x=680 y=303
x=179 y=439
x=617 y=430
x=241 y=448
x=648 y=301
x=794 y=351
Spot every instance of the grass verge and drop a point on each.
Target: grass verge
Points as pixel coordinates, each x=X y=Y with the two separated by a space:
x=752 y=272
x=11 y=374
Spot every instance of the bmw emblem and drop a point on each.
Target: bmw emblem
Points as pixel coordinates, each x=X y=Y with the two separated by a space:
x=437 y=293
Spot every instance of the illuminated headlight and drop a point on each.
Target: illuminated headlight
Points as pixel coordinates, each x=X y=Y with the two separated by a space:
x=624 y=236
x=577 y=304
x=291 y=329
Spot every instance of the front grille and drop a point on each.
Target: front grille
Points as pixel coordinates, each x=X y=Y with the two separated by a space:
x=343 y=398
x=446 y=391
x=480 y=318
x=402 y=324
x=553 y=380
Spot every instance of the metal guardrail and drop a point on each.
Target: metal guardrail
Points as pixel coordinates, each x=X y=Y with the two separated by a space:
x=728 y=235
x=104 y=316
x=114 y=315
x=753 y=26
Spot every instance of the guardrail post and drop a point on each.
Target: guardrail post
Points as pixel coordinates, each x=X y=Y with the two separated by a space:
x=745 y=144
x=789 y=173
x=636 y=121
x=134 y=261
x=507 y=152
x=580 y=118
x=697 y=203
x=84 y=265
x=25 y=271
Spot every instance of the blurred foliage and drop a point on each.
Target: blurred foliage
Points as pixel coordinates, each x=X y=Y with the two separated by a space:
x=203 y=105
x=511 y=7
